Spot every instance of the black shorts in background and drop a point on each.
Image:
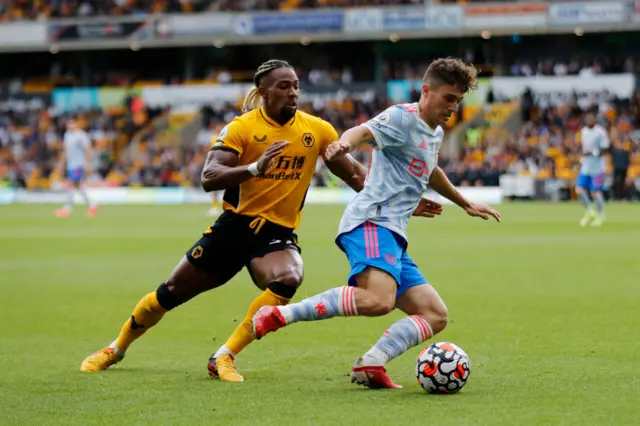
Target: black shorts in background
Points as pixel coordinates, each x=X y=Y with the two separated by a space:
x=231 y=243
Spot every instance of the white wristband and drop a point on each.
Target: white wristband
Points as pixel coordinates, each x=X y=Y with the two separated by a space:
x=253 y=169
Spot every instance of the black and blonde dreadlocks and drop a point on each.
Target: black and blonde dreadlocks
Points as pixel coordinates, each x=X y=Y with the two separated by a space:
x=253 y=100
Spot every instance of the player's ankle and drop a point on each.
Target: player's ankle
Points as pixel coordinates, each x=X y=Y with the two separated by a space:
x=286 y=312
x=223 y=351
x=118 y=351
x=375 y=358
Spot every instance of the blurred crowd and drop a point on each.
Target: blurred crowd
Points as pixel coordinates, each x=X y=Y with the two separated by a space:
x=574 y=66
x=129 y=151
x=16 y=10
x=31 y=143
x=547 y=145
x=239 y=5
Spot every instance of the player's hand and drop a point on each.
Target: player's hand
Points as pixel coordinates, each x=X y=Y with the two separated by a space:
x=268 y=157
x=428 y=208
x=482 y=211
x=336 y=150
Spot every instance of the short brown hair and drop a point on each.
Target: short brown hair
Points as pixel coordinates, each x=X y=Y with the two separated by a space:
x=452 y=71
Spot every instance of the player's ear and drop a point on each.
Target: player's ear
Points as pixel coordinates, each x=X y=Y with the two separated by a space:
x=425 y=89
x=262 y=91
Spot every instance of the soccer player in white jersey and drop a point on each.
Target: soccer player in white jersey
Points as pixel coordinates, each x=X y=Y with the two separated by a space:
x=76 y=159
x=595 y=143
x=372 y=232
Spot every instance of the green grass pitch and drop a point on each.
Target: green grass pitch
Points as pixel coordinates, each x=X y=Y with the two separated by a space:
x=548 y=312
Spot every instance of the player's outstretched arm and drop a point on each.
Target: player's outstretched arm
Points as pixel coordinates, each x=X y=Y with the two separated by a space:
x=440 y=183
x=349 y=171
x=221 y=170
x=350 y=141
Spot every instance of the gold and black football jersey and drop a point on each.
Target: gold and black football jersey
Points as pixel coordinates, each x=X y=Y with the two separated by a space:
x=277 y=195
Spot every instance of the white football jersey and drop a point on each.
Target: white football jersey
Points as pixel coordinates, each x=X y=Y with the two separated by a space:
x=406 y=152
x=75 y=142
x=594 y=140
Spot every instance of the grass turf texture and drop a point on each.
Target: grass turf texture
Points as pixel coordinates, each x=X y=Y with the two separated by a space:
x=546 y=310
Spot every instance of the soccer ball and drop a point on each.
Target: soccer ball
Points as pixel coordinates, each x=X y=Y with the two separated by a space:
x=442 y=368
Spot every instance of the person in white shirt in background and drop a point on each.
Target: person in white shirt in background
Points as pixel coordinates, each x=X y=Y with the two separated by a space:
x=595 y=143
x=76 y=160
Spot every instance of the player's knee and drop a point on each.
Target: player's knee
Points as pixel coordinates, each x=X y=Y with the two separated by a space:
x=438 y=319
x=168 y=297
x=290 y=278
x=286 y=289
x=384 y=304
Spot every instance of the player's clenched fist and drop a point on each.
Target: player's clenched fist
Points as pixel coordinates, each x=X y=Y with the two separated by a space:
x=337 y=149
x=268 y=157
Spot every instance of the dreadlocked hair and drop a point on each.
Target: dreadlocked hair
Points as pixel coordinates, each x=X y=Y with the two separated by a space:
x=252 y=99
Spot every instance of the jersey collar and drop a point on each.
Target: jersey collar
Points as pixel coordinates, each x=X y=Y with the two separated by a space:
x=269 y=121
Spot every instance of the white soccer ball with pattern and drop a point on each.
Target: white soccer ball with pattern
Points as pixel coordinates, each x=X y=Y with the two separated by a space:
x=443 y=368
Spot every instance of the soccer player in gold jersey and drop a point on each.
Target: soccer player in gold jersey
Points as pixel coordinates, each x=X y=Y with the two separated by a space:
x=264 y=160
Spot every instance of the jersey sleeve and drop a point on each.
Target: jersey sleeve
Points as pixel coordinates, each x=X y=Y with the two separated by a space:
x=388 y=128
x=231 y=138
x=328 y=135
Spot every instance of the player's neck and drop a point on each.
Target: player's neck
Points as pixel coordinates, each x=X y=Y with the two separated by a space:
x=433 y=124
x=278 y=118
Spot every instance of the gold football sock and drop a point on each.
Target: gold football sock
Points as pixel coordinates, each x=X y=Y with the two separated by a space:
x=145 y=315
x=243 y=334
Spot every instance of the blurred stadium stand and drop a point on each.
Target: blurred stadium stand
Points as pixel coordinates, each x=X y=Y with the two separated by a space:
x=153 y=85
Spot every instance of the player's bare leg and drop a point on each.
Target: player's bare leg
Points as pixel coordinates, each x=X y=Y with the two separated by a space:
x=590 y=214
x=598 y=199
x=279 y=274
x=374 y=296
x=425 y=301
x=67 y=209
x=184 y=283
